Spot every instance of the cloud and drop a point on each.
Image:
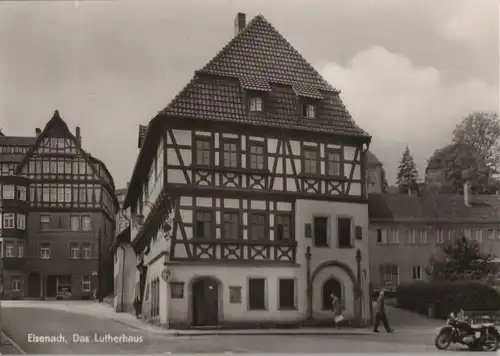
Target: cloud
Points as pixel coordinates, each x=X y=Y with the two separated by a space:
x=474 y=23
x=401 y=104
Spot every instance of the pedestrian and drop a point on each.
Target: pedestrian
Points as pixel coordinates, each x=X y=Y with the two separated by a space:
x=137 y=306
x=381 y=315
x=336 y=309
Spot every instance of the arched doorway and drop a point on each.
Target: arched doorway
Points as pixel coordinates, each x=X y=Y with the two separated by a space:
x=205 y=301
x=331 y=285
x=34 y=285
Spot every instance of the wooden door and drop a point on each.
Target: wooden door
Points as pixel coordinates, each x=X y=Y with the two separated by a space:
x=205 y=302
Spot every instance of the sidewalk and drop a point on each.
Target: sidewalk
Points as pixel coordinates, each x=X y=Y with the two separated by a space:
x=404 y=322
x=7 y=347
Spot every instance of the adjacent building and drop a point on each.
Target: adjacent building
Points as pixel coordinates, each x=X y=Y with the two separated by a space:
x=57 y=203
x=248 y=198
x=406 y=231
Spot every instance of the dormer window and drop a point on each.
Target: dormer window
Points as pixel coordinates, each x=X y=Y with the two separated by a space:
x=309 y=111
x=255 y=104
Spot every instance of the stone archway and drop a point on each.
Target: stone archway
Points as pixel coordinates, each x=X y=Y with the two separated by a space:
x=331 y=286
x=343 y=267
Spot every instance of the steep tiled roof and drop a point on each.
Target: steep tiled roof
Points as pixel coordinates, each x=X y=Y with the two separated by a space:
x=142 y=133
x=259 y=58
x=445 y=207
x=371 y=159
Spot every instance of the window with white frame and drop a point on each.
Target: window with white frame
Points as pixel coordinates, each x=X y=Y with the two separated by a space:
x=451 y=234
x=497 y=233
x=382 y=236
x=9 y=221
x=423 y=236
x=86 y=250
x=255 y=103
x=467 y=233
x=10 y=250
x=9 y=192
x=74 y=250
x=20 y=250
x=16 y=285
x=21 y=193
x=393 y=235
x=389 y=275
x=491 y=234
x=86 y=284
x=86 y=223
x=309 y=111
x=417 y=273
x=21 y=221
x=477 y=234
x=45 y=251
x=412 y=236
x=439 y=236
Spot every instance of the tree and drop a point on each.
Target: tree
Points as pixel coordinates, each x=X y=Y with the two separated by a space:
x=481 y=131
x=461 y=259
x=407 y=174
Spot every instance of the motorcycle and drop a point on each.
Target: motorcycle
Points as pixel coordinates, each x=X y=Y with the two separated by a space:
x=481 y=337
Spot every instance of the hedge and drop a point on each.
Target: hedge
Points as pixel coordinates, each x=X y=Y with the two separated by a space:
x=447 y=297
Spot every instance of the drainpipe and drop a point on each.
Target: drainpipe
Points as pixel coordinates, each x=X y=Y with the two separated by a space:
x=123 y=278
x=309 y=284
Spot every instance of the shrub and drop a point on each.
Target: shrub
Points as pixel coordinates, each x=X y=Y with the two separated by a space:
x=447 y=297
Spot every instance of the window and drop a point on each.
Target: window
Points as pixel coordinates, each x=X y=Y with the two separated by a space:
x=86 y=250
x=8 y=221
x=9 y=192
x=389 y=275
x=67 y=194
x=423 y=236
x=255 y=103
x=382 y=236
x=417 y=273
x=257 y=294
x=53 y=167
x=333 y=166
x=20 y=250
x=10 y=250
x=44 y=222
x=439 y=236
x=86 y=284
x=86 y=223
x=75 y=222
x=21 y=221
x=231 y=226
x=204 y=224
x=257 y=226
x=21 y=193
x=283 y=227
x=344 y=232
x=310 y=160
x=309 y=111
x=230 y=154
x=412 y=236
x=16 y=285
x=45 y=251
x=477 y=234
x=320 y=232
x=287 y=294
x=203 y=152
x=256 y=156
x=491 y=234
x=74 y=250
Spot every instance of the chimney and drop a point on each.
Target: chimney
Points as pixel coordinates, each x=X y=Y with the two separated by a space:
x=38 y=132
x=467 y=194
x=239 y=22
x=78 y=136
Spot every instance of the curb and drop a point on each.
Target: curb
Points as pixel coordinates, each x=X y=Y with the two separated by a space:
x=13 y=344
x=257 y=333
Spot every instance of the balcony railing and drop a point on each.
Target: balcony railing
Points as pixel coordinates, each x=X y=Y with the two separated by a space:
x=244 y=250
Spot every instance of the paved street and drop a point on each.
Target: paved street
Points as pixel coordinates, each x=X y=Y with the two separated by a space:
x=66 y=319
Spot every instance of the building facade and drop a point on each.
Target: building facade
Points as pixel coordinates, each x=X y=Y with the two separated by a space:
x=56 y=198
x=248 y=198
x=407 y=231
x=375 y=174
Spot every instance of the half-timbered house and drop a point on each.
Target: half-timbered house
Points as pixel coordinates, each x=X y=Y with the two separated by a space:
x=55 y=200
x=248 y=197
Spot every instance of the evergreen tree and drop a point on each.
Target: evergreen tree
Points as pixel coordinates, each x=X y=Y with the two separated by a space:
x=407 y=174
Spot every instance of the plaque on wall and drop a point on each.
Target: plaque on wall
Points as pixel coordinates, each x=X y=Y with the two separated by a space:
x=307 y=230
x=234 y=295
x=177 y=290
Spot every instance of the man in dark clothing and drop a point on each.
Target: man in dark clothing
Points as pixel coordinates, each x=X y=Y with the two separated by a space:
x=380 y=315
x=137 y=306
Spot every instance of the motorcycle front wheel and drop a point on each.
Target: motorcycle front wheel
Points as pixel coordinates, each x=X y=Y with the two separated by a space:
x=443 y=340
x=490 y=343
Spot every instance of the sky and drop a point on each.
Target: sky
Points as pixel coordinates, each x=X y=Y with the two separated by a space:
x=408 y=70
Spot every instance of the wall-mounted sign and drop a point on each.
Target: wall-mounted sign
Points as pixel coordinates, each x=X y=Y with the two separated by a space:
x=359 y=233
x=307 y=230
x=165 y=275
x=177 y=290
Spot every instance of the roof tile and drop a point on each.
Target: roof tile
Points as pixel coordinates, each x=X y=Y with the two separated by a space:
x=252 y=83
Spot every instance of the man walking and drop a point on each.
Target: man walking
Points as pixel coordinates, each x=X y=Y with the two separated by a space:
x=380 y=315
x=336 y=309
